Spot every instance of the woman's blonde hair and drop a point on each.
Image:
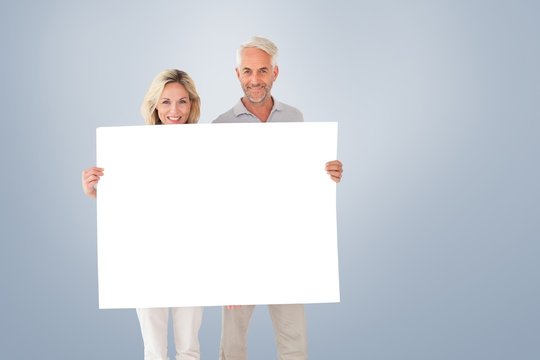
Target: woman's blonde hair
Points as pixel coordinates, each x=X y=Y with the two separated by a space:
x=148 y=107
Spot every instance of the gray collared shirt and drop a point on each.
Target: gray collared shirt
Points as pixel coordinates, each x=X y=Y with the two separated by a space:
x=280 y=113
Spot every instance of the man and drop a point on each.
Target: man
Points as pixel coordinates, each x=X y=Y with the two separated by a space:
x=257 y=70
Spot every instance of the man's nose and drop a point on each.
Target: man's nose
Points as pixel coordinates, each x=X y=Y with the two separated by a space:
x=255 y=79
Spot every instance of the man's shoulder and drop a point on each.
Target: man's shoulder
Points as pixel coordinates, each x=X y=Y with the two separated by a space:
x=288 y=107
x=226 y=117
x=282 y=113
x=235 y=114
x=289 y=112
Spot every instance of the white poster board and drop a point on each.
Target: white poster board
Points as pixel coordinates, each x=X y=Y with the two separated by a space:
x=216 y=214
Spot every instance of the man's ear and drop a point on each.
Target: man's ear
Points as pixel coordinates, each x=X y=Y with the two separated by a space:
x=237 y=73
x=276 y=72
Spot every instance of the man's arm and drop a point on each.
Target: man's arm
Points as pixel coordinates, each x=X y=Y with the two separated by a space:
x=335 y=170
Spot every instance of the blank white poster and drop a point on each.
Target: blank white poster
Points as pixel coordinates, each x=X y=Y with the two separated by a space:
x=216 y=214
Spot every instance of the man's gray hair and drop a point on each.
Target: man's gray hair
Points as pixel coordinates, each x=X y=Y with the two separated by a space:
x=260 y=43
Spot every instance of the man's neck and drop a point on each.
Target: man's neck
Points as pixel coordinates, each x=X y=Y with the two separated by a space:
x=260 y=110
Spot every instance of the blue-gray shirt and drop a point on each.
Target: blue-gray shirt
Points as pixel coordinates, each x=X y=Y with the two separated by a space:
x=280 y=113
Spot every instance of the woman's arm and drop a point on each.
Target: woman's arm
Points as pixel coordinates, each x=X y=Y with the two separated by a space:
x=90 y=178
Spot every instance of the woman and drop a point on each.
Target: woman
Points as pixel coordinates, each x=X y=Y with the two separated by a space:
x=171 y=99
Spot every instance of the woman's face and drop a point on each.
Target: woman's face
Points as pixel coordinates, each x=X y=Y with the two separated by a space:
x=174 y=105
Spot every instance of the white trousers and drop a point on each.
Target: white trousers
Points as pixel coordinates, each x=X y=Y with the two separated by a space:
x=186 y=325
x=289 y=328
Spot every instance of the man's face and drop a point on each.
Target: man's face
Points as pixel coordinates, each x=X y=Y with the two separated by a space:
x=256 y=74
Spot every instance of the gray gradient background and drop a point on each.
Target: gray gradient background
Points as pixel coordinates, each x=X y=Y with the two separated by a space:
x=437 y=103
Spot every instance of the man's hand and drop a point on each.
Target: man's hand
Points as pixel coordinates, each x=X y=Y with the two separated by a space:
x=335 y=170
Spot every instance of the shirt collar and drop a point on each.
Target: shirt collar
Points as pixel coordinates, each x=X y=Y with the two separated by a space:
x=240 y=109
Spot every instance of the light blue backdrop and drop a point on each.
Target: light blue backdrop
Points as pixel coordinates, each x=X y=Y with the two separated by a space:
x=438 y=111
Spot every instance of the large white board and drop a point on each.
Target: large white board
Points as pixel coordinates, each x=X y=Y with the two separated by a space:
x=216 y=214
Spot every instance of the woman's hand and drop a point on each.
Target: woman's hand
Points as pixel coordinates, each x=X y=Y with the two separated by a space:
x=335 y=170
x=90 y=178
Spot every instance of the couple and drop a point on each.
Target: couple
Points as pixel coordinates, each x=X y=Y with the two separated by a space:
x=173 y=99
